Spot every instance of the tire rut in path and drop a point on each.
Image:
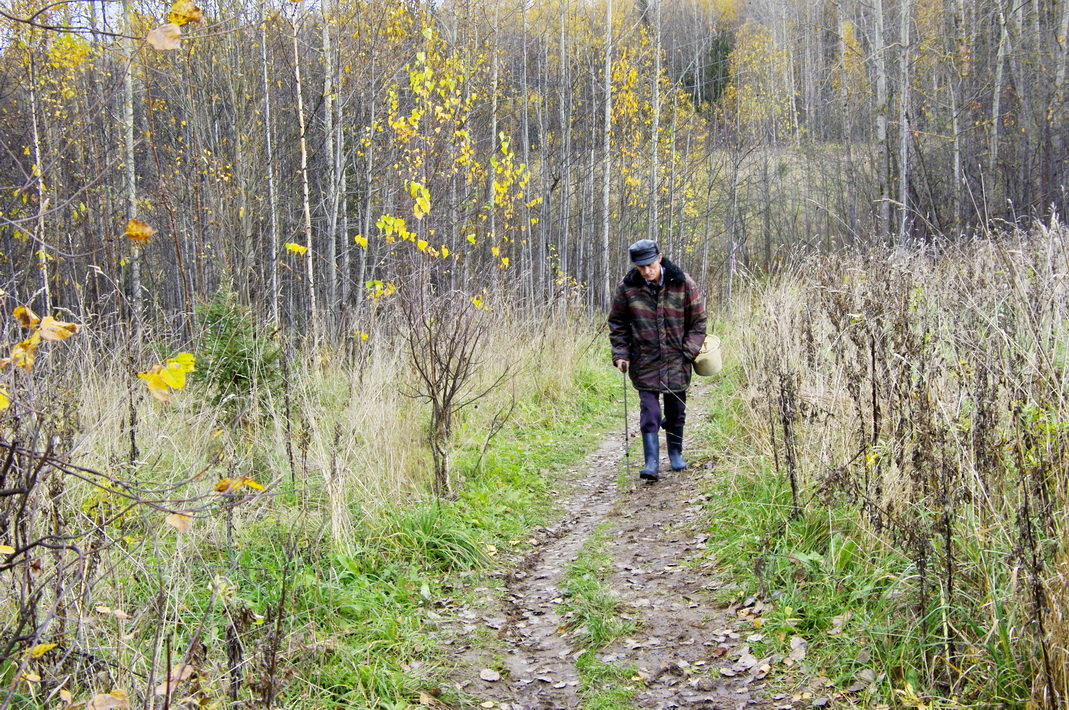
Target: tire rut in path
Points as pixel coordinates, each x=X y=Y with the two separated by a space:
x=680 y=627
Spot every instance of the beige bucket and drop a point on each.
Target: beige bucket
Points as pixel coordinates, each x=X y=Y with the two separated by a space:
x=708 y=361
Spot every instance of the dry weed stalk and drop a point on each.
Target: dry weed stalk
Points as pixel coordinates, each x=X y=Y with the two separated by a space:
x=931 y=394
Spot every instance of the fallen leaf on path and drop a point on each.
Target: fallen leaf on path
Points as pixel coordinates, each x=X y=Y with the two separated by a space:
x=762 y=669
x=862 y=680
x=837 y=623
x=799 y=647
x=432 y=702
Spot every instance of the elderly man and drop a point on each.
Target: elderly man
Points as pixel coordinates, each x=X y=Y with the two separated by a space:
x=657 y=327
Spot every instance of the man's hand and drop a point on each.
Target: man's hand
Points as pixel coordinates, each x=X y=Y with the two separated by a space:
x=623 y=365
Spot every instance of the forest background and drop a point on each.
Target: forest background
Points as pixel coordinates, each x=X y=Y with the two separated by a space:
x=324 y=202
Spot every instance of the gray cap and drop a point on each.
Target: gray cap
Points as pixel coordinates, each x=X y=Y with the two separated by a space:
x=643 y=252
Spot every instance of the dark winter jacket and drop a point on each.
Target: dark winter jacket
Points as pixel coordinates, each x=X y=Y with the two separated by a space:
x=660 y=331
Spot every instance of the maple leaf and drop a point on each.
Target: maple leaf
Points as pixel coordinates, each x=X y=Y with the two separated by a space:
x=136 y=229
x=162 y=378
x=157 y=386
x=184 y=11
x=5 y=402
x=166 y=37
x=295 y=248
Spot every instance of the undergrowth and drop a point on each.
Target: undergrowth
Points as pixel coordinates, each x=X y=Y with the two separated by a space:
x=322 y=590
x=892 y=427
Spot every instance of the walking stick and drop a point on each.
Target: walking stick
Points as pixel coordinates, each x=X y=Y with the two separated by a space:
x=627 y=448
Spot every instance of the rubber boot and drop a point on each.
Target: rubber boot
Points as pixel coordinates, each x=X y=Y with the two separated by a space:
x=674 y=439
x=652 y=451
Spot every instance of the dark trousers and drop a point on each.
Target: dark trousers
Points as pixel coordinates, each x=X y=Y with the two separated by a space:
x=675 y=410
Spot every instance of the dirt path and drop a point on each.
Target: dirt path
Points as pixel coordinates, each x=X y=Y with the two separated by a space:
x=690 y=650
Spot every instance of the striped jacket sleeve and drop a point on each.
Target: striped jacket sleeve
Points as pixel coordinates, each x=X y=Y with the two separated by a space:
x=693 y=320
x=620 y=326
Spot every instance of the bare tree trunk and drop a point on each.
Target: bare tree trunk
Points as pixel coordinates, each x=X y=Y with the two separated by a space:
x=655 y=129
x=996 y=96
x=42 y=194
x=883 y=171
x=904 y=209
x=130 y=173
x=330 y=143
x=606 y=158
x=309 y=256
x=273 y=245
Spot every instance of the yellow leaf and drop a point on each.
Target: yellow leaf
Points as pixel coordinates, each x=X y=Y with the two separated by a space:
x=107 y=701
x=22 y=354
x=295 y=248
x=471 y=238
x=5 y=402
x=227 y=485
x=422 y=245
x=173 y=375
x=7 y=550
x=25 y=317
x=41 y=649
x=29 y=677
x=184 y=11
x=361 y=240
x=136 y=229
x=233 y=485
x=157 y=387
x=504 y=262
x=55 y=330
x=164 y=38
x=445 y=252
x=186 y=360
x=179 y=521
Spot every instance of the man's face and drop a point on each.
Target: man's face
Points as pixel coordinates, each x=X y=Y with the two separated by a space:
x=652 y=270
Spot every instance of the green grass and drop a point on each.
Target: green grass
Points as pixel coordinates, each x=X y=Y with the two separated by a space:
x=375 y=601
x=605 y=686
x=593 y=613
x=593 y=607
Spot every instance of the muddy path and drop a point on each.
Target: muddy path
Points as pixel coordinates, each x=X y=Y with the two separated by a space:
x=513 y=649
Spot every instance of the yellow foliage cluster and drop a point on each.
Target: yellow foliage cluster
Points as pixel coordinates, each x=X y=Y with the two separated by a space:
x=170 y=375
x=22 y=353
x=758 y=95
x=68 y=52
x=379 y=289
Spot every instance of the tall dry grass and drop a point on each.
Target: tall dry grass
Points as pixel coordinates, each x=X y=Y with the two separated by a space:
x=927 y=392
x=339 y=444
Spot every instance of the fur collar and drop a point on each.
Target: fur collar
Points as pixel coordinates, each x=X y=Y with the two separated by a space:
x=672 y=275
